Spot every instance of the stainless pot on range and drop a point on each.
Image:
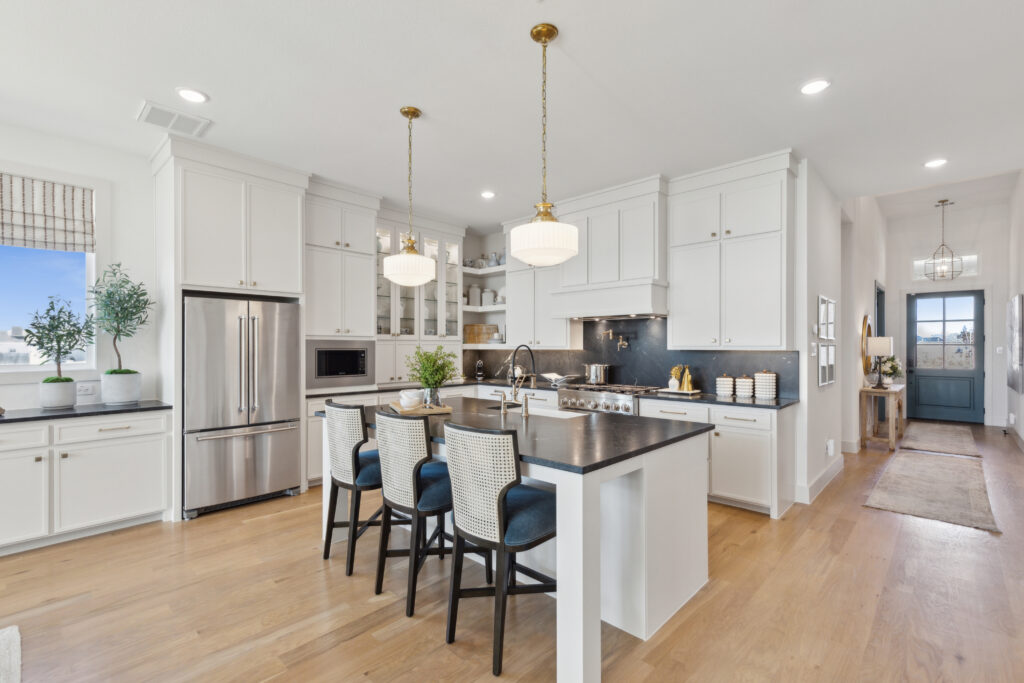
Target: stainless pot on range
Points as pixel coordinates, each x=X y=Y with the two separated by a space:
x=596 y=373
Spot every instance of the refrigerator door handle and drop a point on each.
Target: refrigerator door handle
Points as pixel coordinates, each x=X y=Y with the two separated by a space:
x=241 y=363
x=235 y=436
x=255 y=363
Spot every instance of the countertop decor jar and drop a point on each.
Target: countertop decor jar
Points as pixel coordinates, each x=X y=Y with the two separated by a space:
x=744 y=387
x=724 y=385
x=474 y=294
x=766 y=384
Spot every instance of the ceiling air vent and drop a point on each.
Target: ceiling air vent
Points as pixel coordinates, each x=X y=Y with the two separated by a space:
x=174 y=121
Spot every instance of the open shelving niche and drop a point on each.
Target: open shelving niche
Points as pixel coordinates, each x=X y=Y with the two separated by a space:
x=492 y=277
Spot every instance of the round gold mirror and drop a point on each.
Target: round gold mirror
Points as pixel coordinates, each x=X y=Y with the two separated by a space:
x=865 y=332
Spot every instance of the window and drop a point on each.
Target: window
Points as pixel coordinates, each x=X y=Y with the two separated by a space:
x=46 y=244
x=945 y=333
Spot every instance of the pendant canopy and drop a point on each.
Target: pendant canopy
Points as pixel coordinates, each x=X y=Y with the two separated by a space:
x=544 y=241
x=944 y=264
x=410 y=268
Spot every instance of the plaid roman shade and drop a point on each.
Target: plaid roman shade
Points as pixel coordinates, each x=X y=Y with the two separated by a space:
x=42 y=214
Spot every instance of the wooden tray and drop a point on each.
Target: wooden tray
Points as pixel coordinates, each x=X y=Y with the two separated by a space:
x=420 y=409
x=679 y=391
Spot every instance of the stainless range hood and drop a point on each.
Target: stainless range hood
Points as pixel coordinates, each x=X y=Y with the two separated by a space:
x=612 y=318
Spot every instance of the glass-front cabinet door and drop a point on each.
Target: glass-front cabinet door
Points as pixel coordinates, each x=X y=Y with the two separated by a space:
x=452 y=290
x=385 y=244
x=396 y=306
x=442 y=296
x=431 y=310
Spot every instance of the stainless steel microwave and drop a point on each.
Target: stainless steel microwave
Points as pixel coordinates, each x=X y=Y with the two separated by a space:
x=332 y=363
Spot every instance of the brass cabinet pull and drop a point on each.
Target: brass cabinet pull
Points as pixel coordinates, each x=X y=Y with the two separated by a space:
x=241 y=282
x=64 y=456
x=728 y=232
x=346 y=331
x=391 y=378
x=714 y=340
x=114 y=429
x=718 y=433
x=38 y=458
x=337 y=330
x=674 y=412
x=740 y=419
x=253 y=283
x=346 y=244
x=337 y=244
x=728 y=340
x=714 y=234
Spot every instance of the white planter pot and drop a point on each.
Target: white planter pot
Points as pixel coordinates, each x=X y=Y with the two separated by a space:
x=118 y=389
x=887 y=381
x=54 y=395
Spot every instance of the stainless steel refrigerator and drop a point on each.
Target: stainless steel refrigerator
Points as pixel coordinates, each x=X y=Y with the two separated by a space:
x=242 y=401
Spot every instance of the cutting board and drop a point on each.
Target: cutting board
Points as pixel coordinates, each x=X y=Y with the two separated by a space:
x=420 y=409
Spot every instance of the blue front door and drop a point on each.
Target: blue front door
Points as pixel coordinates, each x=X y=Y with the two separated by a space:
x=946 y=356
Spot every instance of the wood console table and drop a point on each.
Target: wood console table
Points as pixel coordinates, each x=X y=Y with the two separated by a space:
x=895 y=395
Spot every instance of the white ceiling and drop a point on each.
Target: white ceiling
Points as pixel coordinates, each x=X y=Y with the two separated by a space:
x=966 y=194
x=636 y=88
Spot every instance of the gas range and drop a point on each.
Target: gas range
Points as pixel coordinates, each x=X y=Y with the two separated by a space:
x=603 y=398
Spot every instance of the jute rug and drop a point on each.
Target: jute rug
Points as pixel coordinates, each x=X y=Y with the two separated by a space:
x=939 y=438
x=944 y=487
x=10 y=655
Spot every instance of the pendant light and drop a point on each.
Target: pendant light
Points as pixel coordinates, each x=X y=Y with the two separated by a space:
x=544 y=241
x=410 y=268
x=944 y=264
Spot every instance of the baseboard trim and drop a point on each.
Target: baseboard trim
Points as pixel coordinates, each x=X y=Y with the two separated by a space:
x=851 y=446
x=807 y=494
x=63 y=537
x=1016 y=438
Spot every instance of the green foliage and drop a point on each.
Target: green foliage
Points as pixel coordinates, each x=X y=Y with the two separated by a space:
x=122 y=306
x=891 y=367
x=119 y=371
x=58 y=332
x=432 y=368
x=57 y=380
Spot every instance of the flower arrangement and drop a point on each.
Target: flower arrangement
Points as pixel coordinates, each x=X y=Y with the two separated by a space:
x=432 y=369
x=891 y=367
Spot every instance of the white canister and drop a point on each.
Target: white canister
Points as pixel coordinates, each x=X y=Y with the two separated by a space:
x=474 y=294
x=766 y=384
x=724 y=385
x=744 y=387
x=487 y=297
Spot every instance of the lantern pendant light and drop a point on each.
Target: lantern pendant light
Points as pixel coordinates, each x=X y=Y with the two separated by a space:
x=544 y=241
x=944 y=264
x=410 y=268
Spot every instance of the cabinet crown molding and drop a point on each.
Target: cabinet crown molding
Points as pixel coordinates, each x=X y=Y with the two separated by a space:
x=655 y=184
x=783 y=160
x=395 y=216
x=174 y=147
x=330 y=189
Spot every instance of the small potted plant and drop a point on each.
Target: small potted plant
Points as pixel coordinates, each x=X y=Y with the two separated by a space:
x=57 y=333
x=891 y=368
x=122 y=309
x=432 y=369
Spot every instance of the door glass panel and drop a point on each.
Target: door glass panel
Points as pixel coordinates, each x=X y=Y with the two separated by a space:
x=384 y=244
x=960 y=308
x=960 y=332
x=929 y=309
x=929 y=356
x=929 y=333
x=431 y=248
x=960 y=357
x=451 y=285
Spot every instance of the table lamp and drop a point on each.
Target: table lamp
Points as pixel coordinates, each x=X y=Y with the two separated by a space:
x=879 y=347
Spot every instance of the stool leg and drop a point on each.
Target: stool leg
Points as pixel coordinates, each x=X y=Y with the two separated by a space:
x=353 y=526
x=500 y=599
x=511 y=569
x=414 y=547
x=488 y=571
x=456 y=586
x=332 y=509
x=440 y=535
x=382 y=550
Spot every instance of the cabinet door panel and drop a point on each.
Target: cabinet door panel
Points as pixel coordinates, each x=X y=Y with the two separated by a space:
x=357 y=231
x=574 y=271
x=752 y=206
x=741 y=465
x=24 y=495
x=693 y=217
x=547 y=330
x=323 y=223
x=638 y=242
x=403 y=351
x=108 y=481
x=694 y=302
x=213 y=231
x=603 y=246
x=275 y=238
x=752 y=291
x=519 y=315
x=357 y=316
x=384 y=362
x=324 y=287
x=314 y=448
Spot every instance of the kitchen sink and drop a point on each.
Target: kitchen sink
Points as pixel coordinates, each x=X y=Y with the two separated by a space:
x=542 y=412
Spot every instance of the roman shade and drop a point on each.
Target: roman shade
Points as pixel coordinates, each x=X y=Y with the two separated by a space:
x=42 y=214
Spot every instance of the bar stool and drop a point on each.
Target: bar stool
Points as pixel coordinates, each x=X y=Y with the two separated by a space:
x=350 y=470
x=494 y=509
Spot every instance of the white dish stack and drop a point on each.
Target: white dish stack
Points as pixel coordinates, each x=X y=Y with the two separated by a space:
x=724 y=385
x=766 y=384
x=744 y=387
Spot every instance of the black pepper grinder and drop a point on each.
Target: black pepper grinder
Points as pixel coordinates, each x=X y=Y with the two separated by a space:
x=479 y=370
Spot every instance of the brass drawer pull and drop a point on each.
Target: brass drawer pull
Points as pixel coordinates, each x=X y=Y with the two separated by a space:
x=64 y=456
x=673 y=412
x=741 y=419
x=114 y=429
x=39 y=458
x=718 y=433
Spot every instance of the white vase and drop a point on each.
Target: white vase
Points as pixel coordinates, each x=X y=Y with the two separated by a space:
x=53 y=395
x=673 y=384
x=120 y=389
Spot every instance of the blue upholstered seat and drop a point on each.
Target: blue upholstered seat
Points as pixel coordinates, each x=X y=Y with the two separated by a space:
x=369 y=469
x=529 y=514
x=435 y=487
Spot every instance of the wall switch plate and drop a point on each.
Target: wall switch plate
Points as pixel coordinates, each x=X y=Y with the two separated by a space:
x=830 y=448
x=86 y=389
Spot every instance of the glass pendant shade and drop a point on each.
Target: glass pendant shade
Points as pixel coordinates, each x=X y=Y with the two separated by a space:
x=544 y=241
x=409 y=268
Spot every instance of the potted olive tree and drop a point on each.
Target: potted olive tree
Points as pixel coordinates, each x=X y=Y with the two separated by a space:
x=432 y=369
x=122 y=308
x=57 y=333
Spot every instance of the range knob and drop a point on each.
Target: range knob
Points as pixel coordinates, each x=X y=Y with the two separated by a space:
x=626 y=408
x=592 y=404
x=605 y=406
x=563 y=401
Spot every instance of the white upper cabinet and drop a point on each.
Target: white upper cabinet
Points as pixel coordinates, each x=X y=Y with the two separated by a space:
x=338 y=297
x=357 y=318
x=694 y=277
x=275 y=237
x=331 y=223
x=519 y=308
x=752 y=292
x=753 y=206
x=694 y=217
x=638 y=241
x=529 y=316
x=603 y=247
x=549 y=331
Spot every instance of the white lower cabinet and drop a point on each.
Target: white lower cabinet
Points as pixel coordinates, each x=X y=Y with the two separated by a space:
x=741 y=465
x=24 y=495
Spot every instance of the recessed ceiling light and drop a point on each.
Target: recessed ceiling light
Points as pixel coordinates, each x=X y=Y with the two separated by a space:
x=935 y=163
x=192 y=95
x=487 y=194
x=814 y=87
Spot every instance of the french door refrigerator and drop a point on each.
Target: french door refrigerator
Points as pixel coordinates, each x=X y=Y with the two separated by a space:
x=242 y=402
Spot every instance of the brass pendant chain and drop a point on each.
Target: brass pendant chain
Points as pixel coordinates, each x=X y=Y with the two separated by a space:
x=544 y=123
x=410 y=177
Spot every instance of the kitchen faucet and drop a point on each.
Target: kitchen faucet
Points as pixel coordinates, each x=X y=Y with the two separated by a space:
x=520 y=380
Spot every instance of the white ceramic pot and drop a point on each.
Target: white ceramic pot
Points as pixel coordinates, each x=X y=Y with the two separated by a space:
x=53 y=395
x=887 y=381
x=410 y=398
x=118 y=389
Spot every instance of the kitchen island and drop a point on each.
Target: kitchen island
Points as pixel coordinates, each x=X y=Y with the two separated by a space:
x=632 y=541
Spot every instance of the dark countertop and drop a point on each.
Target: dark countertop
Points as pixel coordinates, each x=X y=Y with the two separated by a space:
x=713 y=399
x=580 y=445
x=84 y=410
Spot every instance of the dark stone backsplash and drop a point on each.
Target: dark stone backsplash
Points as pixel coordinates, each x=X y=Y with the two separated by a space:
x=647 y=361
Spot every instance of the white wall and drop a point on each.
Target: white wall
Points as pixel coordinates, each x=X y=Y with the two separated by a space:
x=983 y=230
x=865 y=235
x=818 y=272
x=1015 y=278
x=127 y=237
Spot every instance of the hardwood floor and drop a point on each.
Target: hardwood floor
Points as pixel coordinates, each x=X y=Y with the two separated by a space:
x=834 y=591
